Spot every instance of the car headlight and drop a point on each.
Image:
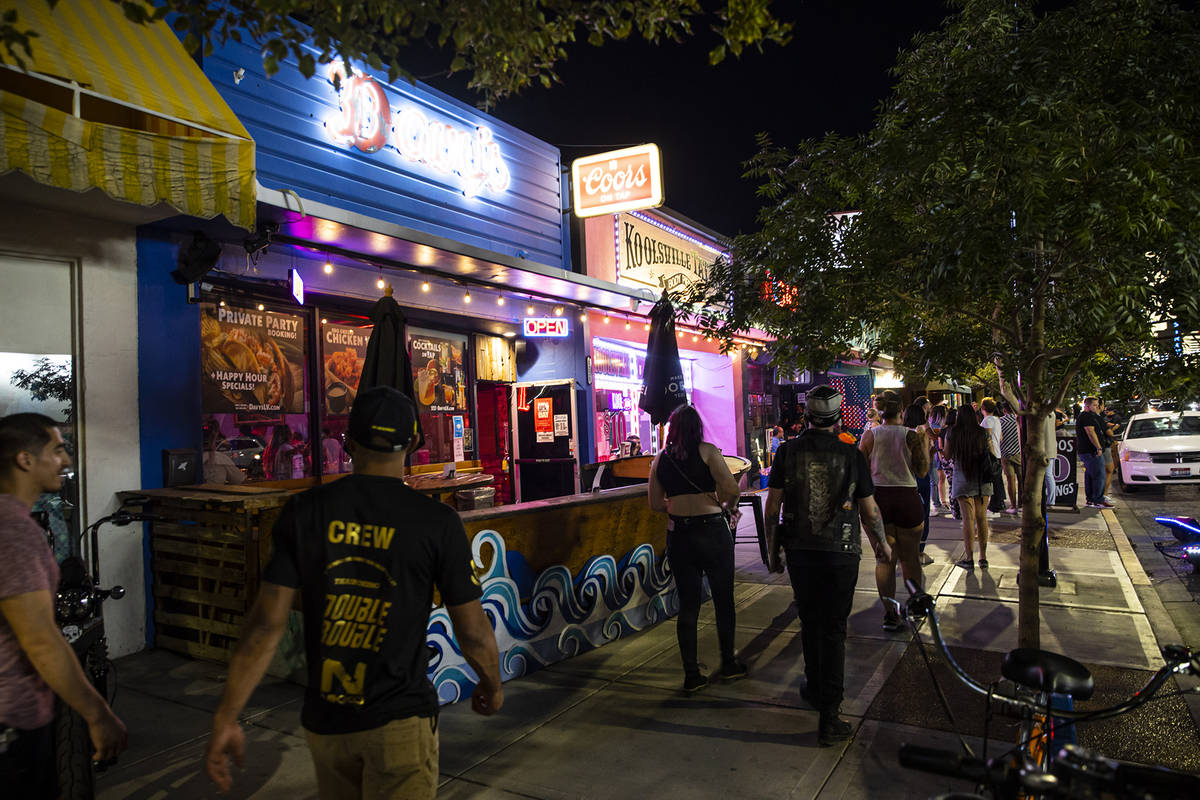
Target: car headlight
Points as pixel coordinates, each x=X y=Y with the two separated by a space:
x=1136 y=455
x=257 y=457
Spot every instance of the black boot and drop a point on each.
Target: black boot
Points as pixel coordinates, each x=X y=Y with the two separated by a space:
x=832 y=729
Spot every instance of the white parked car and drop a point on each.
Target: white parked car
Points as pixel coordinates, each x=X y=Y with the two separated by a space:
x=1160 y=448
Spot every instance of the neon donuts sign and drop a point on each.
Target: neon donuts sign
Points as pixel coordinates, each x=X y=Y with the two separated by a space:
x=366 y=121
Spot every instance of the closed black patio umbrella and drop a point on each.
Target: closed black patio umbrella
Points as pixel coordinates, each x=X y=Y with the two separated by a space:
x=662 y=381
x=387 y=362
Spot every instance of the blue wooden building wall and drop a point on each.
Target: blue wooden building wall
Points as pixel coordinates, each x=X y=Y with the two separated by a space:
x=285 y=114
x=168 y=372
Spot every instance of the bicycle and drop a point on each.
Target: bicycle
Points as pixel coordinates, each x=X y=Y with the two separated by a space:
x=78 y=610
x=1042 y=764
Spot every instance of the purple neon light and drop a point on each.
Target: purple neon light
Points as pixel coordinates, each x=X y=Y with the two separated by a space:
x=674 y=232
x=1176 y=522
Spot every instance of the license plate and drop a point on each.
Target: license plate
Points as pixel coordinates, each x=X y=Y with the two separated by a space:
x=1180 y=472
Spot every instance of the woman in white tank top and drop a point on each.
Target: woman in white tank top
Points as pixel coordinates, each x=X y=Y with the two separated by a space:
x=897 y=457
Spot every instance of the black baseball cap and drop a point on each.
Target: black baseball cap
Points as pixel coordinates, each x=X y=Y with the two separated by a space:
x=382 y=419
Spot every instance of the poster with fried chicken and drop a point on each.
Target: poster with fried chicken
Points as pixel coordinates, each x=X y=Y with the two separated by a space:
x=438 y=373
x=252 y=361
x=344 y=352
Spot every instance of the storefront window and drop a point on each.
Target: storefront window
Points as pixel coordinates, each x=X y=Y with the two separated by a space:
x=343 y=341
x=255 y=392
x=443 y=386
x=622 y=429
x=760 y=414
x=37 y=370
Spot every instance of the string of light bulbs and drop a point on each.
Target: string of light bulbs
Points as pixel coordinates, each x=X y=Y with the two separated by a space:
x=557 y=308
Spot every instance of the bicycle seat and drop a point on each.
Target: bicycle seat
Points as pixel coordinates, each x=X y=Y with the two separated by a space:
x=1044 y=671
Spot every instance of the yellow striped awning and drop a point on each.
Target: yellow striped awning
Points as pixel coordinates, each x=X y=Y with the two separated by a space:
x=108 y=103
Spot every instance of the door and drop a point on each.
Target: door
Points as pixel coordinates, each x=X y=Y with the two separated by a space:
x=546 y=446
x=495 y=436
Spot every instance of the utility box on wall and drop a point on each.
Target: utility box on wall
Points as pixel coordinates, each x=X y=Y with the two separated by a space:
x=181 y=467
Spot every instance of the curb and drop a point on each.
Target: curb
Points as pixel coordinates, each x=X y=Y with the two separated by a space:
x=1137 y=575
x=1156 y=613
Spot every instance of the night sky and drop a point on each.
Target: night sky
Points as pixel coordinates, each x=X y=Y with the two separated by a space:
x=831 y=77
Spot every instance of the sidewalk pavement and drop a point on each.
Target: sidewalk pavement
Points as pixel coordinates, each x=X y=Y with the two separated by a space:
x=613 y=722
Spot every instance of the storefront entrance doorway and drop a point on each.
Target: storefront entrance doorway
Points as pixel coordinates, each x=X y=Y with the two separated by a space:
x=495 y=436
x=546 y=448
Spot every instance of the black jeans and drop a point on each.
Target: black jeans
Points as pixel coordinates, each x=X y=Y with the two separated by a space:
x=27 y=768
x=998 y=500
x=826 y=583
x=924 y=488
x=697 y=547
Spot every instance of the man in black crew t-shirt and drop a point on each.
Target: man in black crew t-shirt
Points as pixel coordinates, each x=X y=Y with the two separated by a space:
x=365 y=552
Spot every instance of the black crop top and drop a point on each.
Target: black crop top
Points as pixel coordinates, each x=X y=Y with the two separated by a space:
x=671 y=475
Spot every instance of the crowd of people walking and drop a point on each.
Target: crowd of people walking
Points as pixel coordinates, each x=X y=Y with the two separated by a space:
x=910 y=462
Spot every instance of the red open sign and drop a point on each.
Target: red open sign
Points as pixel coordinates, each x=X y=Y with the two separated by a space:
x=546 y=326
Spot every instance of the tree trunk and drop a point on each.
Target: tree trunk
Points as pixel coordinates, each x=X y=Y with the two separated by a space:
x=1032 y=527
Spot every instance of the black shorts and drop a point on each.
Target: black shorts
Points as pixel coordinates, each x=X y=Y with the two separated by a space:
x=900 y=506
x=27 y=767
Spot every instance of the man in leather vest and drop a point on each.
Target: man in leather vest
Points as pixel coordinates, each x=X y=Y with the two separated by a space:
x=824 y=488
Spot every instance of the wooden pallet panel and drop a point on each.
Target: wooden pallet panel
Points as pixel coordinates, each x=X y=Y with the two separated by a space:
x=207 y=552
x=212 y=552
x=163 y=592
x=232 y=630
x=194 y=649
x=231 y=573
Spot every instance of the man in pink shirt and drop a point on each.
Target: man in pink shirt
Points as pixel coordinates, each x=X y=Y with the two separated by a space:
x=35 y=660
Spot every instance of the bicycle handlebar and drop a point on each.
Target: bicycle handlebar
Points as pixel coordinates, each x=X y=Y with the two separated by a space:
x=1177 y=657
x=1077 y=773
x=122 y=518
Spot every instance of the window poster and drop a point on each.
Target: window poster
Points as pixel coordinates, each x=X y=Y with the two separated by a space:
x=344 y=350
x=439 y=365
x=439 y=375
x=543 y=419
x=252 y=361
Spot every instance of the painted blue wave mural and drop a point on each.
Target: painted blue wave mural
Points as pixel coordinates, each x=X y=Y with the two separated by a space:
x=564 y=616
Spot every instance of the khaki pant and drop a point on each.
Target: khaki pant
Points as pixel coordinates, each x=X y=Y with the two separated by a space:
x=398 y=761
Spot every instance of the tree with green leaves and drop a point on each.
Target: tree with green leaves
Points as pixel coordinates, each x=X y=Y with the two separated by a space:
x=48 y=380
x=1029 y=197
x=504 y=45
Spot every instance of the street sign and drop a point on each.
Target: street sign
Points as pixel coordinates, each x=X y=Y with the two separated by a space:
x=1066 y=475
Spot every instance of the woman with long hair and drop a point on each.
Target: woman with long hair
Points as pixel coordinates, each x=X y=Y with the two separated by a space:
x=277 y=458
x=691 y=482
x=969 y=445
x=898 y=456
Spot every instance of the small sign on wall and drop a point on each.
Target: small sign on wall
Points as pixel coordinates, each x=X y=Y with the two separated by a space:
x=546 y=327
x=543 y=419
x=459 y=431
